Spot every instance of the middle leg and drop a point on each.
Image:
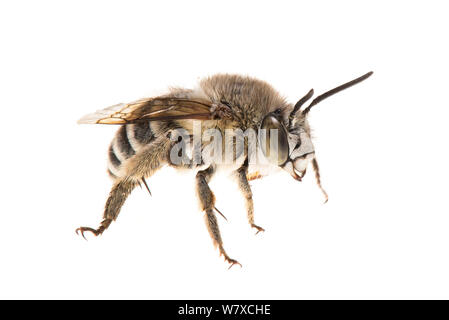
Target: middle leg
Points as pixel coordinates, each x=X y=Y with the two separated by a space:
x=207 y=202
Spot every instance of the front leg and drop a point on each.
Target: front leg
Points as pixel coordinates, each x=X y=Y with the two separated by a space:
x=207 y=202
x=245 y=188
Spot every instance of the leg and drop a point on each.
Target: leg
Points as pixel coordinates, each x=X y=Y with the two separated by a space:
x=207 y=202
x=318 y=178
x=117 y=197
x=245 y=188
x=143 y=164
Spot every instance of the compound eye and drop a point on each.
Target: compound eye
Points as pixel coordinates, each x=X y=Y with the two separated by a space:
x=274 y=128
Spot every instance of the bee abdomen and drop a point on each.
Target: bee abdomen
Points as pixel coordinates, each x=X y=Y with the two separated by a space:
x=128 y=140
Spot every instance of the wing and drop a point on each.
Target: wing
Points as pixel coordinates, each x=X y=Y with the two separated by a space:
x=159 y=109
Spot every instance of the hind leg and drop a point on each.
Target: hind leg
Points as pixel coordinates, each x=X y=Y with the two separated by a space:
x=207 y=202
x=120 y=191
x=142 y=165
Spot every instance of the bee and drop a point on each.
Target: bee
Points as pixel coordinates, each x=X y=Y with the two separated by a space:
x=148 y=139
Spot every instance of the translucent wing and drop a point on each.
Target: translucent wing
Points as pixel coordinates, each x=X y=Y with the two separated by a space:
x=158 y=109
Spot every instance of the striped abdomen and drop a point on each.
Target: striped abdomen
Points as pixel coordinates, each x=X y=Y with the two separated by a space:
x=128 y=140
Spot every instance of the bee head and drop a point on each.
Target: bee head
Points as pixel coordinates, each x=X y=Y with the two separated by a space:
x=301 y=149
x=295 y=148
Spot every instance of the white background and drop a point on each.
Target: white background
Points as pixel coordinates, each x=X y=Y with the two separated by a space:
x=382 y=146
